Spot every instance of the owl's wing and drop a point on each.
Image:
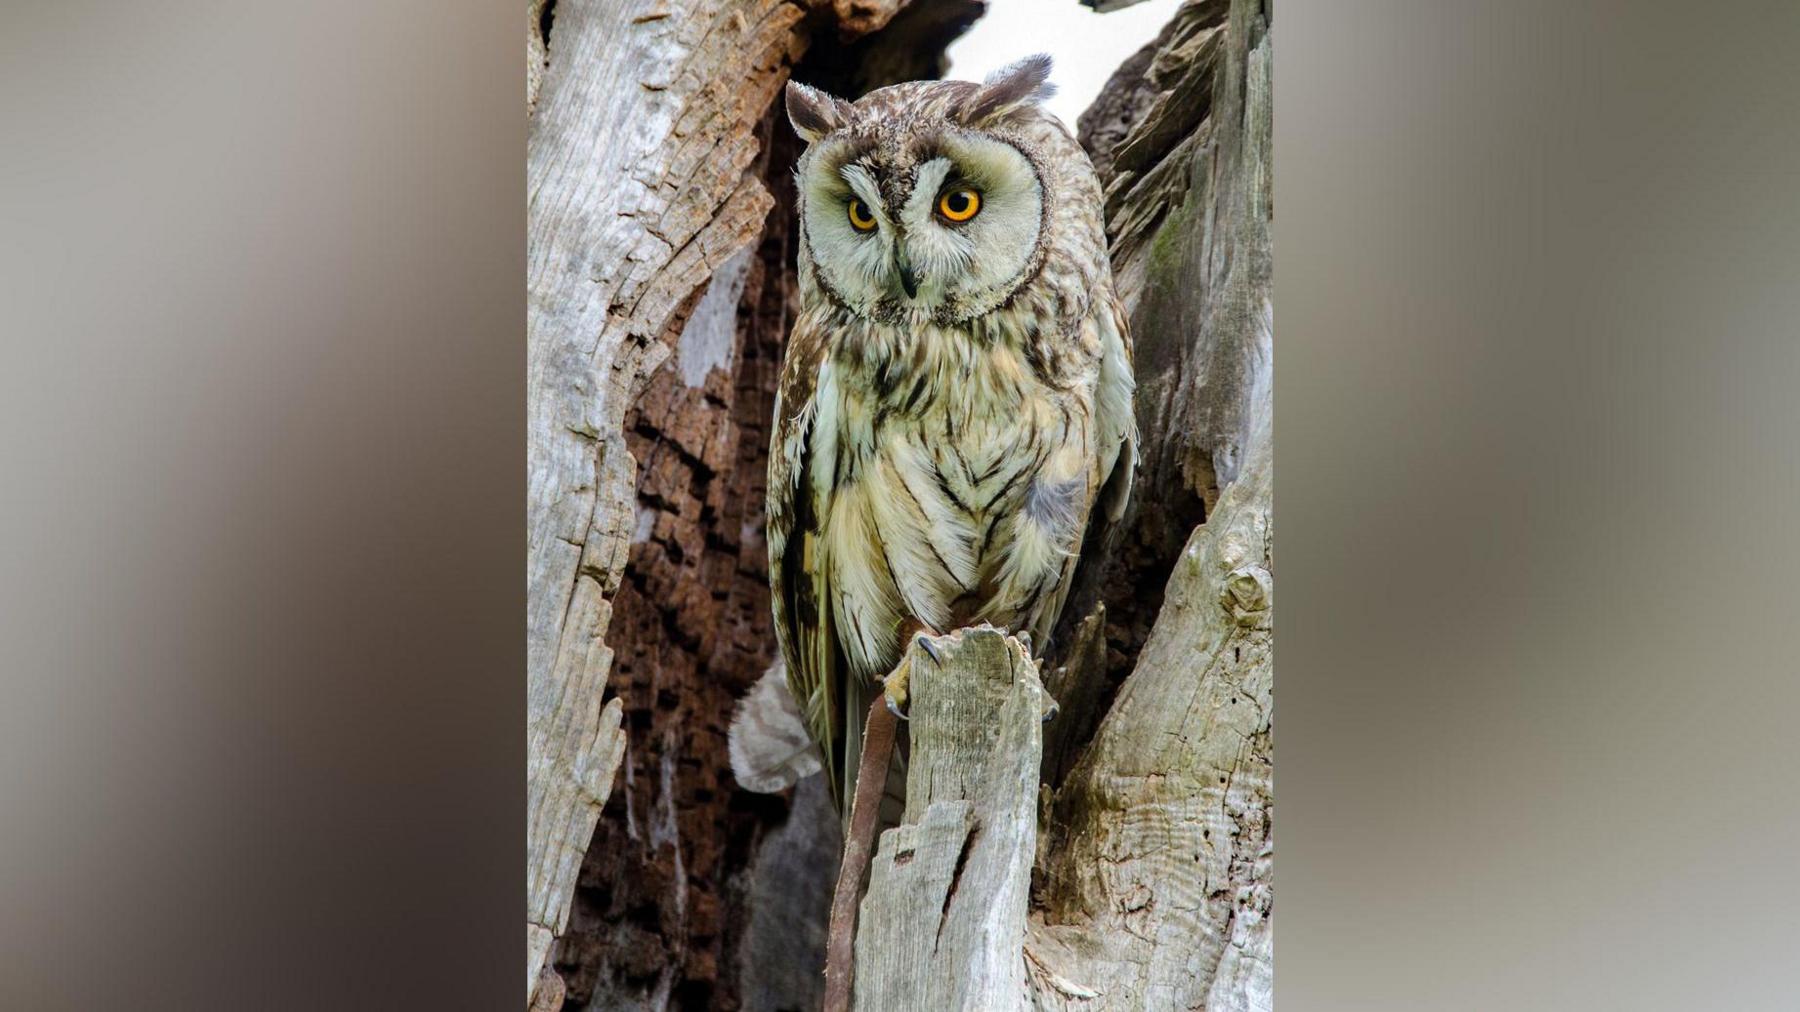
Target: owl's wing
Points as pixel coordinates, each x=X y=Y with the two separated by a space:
x=799 y=483
x=1114 y=416
x=1115 y=446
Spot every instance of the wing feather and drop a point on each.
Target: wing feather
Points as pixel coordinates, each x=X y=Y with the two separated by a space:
x=797 y=574
x=1115 y=443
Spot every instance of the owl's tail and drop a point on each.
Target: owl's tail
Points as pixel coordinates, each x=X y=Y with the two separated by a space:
x=769 y=746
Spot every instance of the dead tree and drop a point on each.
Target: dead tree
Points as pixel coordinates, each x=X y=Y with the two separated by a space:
x=661 y=284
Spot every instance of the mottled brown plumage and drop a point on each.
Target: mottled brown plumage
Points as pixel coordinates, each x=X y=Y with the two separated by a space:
x=954 y=409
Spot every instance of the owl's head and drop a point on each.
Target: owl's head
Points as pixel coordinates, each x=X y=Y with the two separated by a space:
x=927 y=199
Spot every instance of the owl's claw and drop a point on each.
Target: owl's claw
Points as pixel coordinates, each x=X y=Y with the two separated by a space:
x=894 y=708
x=1050 y=714
x=924 y=642
x=1024 y=638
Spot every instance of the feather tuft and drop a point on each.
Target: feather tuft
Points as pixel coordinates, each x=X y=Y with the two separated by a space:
x=1010 y=88
x=770 y=748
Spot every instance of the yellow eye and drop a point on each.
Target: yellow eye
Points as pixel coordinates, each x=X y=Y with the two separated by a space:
x=959 y=204
x=860 y=218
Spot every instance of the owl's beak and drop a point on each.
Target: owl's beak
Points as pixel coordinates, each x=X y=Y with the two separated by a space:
x=909 y=279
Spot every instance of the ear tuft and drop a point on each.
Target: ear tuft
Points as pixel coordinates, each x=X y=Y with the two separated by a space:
x=814 y=113
x=1010 y=88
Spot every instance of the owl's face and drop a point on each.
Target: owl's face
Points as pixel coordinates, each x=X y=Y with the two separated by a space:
x=918 y=201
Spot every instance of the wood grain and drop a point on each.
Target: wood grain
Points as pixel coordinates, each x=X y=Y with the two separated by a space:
x=942 y=925
x=637 y=192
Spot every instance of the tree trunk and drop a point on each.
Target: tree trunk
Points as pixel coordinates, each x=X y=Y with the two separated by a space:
x=661 y=287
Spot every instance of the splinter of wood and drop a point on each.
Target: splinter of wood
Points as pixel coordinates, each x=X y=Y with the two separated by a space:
x=859 y=844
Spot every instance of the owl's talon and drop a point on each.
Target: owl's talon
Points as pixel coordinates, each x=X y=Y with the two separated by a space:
x=894 y=708
x=1024 y=638
x=1050 y=714
x=924 y=642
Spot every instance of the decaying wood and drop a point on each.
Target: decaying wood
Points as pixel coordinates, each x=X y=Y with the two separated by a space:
x=1181 y=135
x=637 y=192
x=942 y=924
x=1158 y=870
x=1160 y=892
x=654 y=159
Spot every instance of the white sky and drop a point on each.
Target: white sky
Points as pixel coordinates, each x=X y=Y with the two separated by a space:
x=1087 y=47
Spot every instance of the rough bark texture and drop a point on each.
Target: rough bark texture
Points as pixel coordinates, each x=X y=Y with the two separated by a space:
x=661 y=287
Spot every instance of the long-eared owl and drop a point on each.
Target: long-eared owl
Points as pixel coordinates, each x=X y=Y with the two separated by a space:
x=955 y=406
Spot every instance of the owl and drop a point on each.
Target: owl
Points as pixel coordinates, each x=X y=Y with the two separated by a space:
x=955 y=406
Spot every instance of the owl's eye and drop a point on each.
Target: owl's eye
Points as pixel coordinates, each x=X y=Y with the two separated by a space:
x=860 y=218
x=959 y=204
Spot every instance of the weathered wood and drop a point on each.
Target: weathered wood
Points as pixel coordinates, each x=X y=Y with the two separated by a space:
x=1158 y=870
x=942 y=924
x=637 y=192
x=1151 y=133
x=1160 y=892
x=653 y=160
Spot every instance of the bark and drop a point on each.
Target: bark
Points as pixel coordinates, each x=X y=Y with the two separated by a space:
x=639 y=190
x=661 y=287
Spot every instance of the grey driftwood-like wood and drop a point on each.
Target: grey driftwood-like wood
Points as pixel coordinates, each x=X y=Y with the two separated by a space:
x=637 y=191
x=1160 y=893
x=943 y=921
x=1158 y=865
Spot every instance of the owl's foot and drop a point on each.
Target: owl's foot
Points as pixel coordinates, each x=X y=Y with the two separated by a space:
x=895 y=685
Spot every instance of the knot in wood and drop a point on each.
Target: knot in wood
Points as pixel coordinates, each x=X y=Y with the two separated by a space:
x=1246 y=595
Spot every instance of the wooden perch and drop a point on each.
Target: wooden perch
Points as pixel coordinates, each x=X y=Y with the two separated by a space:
x=942 y=925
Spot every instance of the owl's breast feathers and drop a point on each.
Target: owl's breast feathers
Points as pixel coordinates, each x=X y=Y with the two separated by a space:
x=934 y=476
